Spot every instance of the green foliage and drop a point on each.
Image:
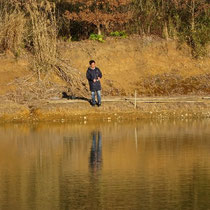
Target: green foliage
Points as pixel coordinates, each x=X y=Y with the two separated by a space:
x=97 y=37
x=197 y=39
x=198 y=43
x=66 y=39
x=201 y=38
x=121 y=34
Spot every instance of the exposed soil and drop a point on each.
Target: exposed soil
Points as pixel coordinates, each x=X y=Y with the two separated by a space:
x=11 y=69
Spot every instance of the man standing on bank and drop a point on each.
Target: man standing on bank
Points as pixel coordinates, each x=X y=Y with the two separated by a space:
x=94 y=76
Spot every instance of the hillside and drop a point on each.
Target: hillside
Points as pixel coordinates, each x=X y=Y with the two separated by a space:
x=153 y=67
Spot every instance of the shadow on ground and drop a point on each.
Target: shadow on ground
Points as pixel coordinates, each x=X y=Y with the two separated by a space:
x=71 y=97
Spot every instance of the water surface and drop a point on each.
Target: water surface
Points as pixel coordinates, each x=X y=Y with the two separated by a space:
x=143 y=165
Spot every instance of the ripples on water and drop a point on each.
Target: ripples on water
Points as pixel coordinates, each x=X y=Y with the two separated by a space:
x=143 y=165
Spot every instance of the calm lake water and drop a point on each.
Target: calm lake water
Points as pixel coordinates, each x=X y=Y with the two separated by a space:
x=132 y=165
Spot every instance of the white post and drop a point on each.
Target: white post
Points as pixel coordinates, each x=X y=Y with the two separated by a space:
x=136 y=138
x=135 y=101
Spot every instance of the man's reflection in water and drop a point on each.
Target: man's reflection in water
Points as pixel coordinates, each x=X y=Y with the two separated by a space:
x=95 y=166
x=96 y=151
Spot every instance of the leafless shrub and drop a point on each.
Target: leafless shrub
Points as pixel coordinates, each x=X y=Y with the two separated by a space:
x=28 y=90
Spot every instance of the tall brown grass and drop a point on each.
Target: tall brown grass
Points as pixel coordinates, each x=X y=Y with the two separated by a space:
x=31 y=25
x=12 y=27
x=42 y=23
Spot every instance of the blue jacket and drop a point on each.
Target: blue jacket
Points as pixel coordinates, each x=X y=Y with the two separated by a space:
x=91 y=75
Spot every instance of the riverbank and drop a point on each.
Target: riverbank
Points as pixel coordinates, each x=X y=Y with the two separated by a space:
x=163 y=74
x=112 y=109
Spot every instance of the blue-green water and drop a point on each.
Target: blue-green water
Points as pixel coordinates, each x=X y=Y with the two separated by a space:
x=131 y=165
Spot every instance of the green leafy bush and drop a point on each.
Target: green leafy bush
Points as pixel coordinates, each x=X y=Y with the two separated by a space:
x=97 y=37
x=121 y=34
x=66 y=38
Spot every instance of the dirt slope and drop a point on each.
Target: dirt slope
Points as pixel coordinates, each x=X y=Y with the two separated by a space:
x=141 y=64
x=11 y=69
x=149 y=65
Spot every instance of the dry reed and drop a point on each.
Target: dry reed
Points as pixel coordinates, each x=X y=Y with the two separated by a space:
x=12 y=24
x=35 y=21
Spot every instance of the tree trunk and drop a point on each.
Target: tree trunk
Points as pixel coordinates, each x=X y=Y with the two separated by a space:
x=107 y=26
x=193 y=15
x=165 y=30
x=99 y=29
x=148 y=29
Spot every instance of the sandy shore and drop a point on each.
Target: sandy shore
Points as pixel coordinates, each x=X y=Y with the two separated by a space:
x=112 y=109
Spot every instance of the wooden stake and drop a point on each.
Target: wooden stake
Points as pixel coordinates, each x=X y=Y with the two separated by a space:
x=135 y=101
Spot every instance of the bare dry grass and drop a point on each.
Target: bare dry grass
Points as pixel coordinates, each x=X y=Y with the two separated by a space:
x=149 y=65
x=168 y=84
x=12 y=24
x=28 y=90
